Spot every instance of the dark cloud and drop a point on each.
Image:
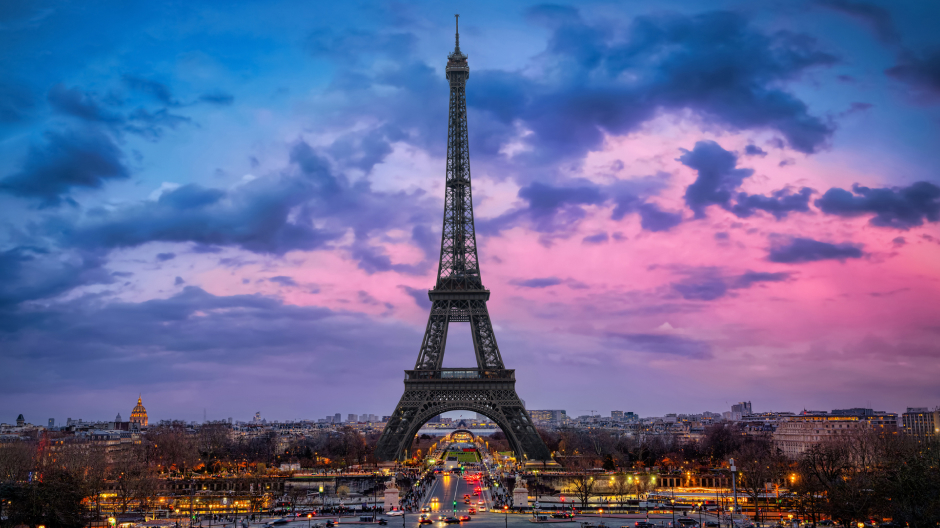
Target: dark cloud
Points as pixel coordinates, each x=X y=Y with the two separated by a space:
x=87 y=336
x=896 y=207
x=799 y=250
x=701 y=288
x=558 y=208
x=598 y=238
x=898 y=241
x=283 y=280
x=16 y=102
x=754 y=150
x=163 y=257
x=364 y=149
x=780 y=203
x=373 y=259
x=545 y=200
x=920 y=71
x=151 y=88
x=354 y=44
x=32 y=273
x=718 y=179
x=877 y=18
x=85 y=106
x=217 y=98
x=709 y=284
x=151 y=124
x=748 y=278
x=179 y=281
x=663 y=344
x=253 y=217
x=420 y=296
x=273 y=214
x=541 y=282
x=652 y=218
x=76 y=103
x=588 y=83
x=714 y=64
x=67 y=159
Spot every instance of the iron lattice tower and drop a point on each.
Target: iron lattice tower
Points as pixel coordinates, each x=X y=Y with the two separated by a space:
x=459 y=296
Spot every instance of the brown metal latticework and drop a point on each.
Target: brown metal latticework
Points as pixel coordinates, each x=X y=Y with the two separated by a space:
x=459 y=296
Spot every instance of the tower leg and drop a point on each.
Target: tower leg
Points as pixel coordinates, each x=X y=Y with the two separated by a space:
x=497 y=401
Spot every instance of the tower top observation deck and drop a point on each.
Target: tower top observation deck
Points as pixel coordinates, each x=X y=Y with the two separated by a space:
x=456 y=60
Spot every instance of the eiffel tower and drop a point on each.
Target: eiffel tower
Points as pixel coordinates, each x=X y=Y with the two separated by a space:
x=459 y=296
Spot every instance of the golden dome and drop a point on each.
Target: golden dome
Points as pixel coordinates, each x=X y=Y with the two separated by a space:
x=139 y=414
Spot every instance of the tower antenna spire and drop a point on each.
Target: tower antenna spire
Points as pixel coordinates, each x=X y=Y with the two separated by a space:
x=457 y=32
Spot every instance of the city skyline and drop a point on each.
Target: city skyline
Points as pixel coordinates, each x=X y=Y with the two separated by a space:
x=240 y=209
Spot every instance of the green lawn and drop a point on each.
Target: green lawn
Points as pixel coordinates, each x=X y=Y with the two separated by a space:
x=464 y=457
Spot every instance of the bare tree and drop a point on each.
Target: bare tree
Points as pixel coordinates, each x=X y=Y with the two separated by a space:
x=621 y=488
x=759 y=463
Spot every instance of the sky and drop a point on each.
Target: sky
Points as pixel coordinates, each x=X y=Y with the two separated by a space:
x=236 y=207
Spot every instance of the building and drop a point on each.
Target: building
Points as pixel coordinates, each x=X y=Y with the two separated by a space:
x=921 y=423
x=796 y=434
x=139 y=414
x=352 y=418
x=742 y=407
x=20 y=421
x=51 y=423
x=337 y=418
x=548 y=416
x=616 y=416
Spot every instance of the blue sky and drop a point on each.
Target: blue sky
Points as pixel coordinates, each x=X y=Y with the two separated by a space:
x=236 y=207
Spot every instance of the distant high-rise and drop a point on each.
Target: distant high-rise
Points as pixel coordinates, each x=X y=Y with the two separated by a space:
x=616 y=416
x=554 y=416
x=742 y=407
x=352 y=418
x=921 y=423
x=337 y=418
x=51 y=423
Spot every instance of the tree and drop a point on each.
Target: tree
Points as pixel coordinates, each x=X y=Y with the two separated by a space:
x=582 y=485
x=758 y=463
x=912 y=484
x=621 y=488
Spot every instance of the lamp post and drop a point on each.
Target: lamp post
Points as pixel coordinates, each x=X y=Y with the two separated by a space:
x=506 y=515
x=734 y=488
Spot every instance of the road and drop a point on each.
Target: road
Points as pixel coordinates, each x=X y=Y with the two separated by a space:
x=450 y=488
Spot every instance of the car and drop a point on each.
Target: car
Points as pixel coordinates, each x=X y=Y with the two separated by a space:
x=472 y=511
x=425 y=510
x=464 y=518
x=434 y=499
x=425 y=520
x=480 y=502
x=644 y=524
x=395 y=513
x=450 y=520
x=481 y=508
x=712 y=524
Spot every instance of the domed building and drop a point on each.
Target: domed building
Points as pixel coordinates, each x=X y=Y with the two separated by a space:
x=139 y=414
